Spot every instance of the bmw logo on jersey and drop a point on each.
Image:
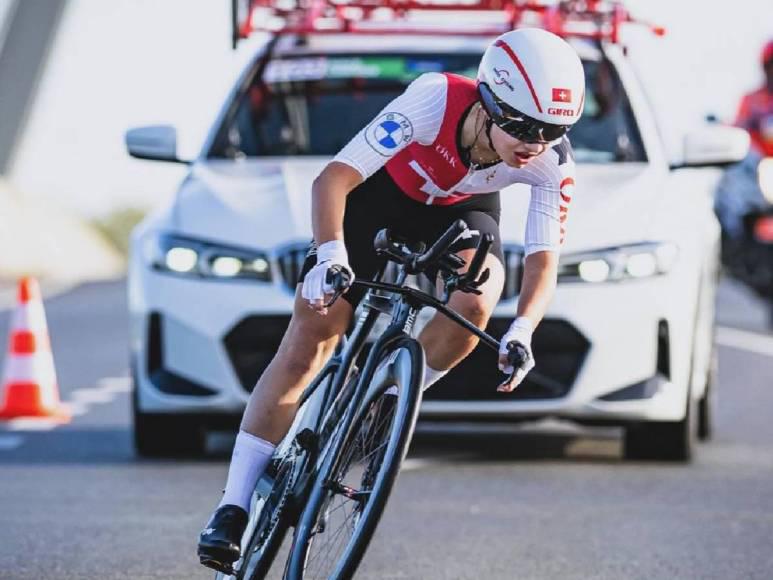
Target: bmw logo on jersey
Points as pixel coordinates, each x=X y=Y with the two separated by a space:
x=388 y=132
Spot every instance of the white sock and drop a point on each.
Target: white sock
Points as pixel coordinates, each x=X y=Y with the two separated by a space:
x=250 y=458
x=431 y=376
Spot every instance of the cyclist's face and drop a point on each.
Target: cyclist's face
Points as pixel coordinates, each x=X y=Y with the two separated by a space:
x=513 y=152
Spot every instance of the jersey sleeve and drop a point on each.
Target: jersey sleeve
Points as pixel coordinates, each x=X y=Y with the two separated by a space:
x=551 y=195
x=743 y=116
x=416 y=115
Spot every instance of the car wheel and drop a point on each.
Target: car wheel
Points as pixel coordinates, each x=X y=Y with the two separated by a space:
x=707 y=404
x=167 y=435
x=661 y=441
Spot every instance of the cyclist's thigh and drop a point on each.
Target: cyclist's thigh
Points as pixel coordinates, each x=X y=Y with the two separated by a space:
x=375 y=204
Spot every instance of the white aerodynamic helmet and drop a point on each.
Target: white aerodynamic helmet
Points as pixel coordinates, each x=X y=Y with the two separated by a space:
x=532 y=84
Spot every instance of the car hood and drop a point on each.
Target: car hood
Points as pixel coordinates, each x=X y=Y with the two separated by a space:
x=262 y=203
x=252 y=203
x=612 y=204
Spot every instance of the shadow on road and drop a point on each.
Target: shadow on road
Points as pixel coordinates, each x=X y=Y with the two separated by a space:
x=106 y=446
x=92 y=446
x=470 y=446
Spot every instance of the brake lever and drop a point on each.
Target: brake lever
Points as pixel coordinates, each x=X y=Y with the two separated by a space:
x=451 y=262
x=340 y=279
x=471 y=286
x=517 y=355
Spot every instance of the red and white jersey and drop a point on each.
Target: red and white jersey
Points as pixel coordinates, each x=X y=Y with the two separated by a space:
x=415 y=137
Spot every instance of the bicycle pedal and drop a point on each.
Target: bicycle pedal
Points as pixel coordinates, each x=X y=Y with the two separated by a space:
x=223 y=567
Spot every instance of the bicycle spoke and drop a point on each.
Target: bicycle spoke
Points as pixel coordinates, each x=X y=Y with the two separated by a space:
x=350 y=492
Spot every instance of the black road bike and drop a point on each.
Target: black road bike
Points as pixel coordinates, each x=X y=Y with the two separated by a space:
x=331 y=475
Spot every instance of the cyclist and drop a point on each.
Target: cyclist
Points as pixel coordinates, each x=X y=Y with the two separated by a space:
x=440 y=151
x=739 y=193
x=755 y=113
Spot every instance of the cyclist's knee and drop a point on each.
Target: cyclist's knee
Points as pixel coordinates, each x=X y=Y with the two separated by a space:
x=474 y=308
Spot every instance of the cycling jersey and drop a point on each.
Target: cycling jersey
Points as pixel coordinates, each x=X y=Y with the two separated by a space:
x=416 y=138
x=755 y=114
x=379 y=203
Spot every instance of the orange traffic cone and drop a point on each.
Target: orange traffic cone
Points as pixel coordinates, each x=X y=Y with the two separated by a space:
x=29 y=387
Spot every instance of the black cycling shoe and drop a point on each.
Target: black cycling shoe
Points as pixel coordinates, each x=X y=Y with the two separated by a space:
x=220 y=542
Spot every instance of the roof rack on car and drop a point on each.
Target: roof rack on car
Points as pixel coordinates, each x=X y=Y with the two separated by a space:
x=592 y=19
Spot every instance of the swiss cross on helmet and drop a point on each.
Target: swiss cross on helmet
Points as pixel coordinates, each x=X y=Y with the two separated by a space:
x=532 y=84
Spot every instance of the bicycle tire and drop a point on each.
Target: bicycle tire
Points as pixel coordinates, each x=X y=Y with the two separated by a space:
x=271 y=528
x=407 y=380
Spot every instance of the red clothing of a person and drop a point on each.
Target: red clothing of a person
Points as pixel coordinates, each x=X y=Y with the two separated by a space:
x=755 y=114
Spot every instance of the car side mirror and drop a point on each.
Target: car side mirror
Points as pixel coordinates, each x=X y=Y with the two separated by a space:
x=155 y=142
x=715 y=146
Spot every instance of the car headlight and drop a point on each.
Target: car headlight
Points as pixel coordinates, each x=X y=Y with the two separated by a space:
x=186 y=256
x=620 y=263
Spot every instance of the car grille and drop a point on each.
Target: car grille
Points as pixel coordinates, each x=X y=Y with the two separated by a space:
x=289 y=261
x=559 y=351
x=252 y=344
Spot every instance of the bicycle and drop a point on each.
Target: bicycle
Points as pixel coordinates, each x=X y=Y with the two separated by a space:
x=352 y=431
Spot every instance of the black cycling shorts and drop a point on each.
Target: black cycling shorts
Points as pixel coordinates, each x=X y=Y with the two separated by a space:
x=378 y=203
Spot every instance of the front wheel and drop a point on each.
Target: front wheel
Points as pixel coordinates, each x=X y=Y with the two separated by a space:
x=158 y=435
x=351 y=490
x=662 y=441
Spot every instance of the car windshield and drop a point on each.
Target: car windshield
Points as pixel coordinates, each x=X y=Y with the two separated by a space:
x=313 y=106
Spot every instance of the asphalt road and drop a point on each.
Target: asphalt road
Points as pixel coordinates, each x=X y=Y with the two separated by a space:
x=545 y=503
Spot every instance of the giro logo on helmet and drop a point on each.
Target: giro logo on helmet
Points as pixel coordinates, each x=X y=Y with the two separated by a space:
x=502 y=77
x=561 y=112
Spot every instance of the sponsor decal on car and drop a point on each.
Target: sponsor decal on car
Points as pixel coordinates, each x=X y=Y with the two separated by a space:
x=323 y=67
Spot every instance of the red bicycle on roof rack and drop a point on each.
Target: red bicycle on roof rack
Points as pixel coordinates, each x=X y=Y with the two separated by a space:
x=599 y=20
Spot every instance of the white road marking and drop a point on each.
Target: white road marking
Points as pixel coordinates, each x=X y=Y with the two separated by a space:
x=115 y=384
x=76 y=408
x=79 y=403
x=414 y=464
x=745 y=340
x=9 y=442
x=107 y=389
x=91 y=395
x=31 y=424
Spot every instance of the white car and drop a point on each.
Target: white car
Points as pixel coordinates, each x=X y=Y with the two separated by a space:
x=627 y=339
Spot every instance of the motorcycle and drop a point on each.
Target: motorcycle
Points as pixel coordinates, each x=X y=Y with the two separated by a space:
x=744 y=205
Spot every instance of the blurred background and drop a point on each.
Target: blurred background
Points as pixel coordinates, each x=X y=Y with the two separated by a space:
x=121 y=486
x=102 y=67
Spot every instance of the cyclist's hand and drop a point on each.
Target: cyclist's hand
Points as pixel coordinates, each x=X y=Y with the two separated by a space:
x=316 y=290
x=520 y=332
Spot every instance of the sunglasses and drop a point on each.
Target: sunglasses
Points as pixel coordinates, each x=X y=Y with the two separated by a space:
x=515 y=123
